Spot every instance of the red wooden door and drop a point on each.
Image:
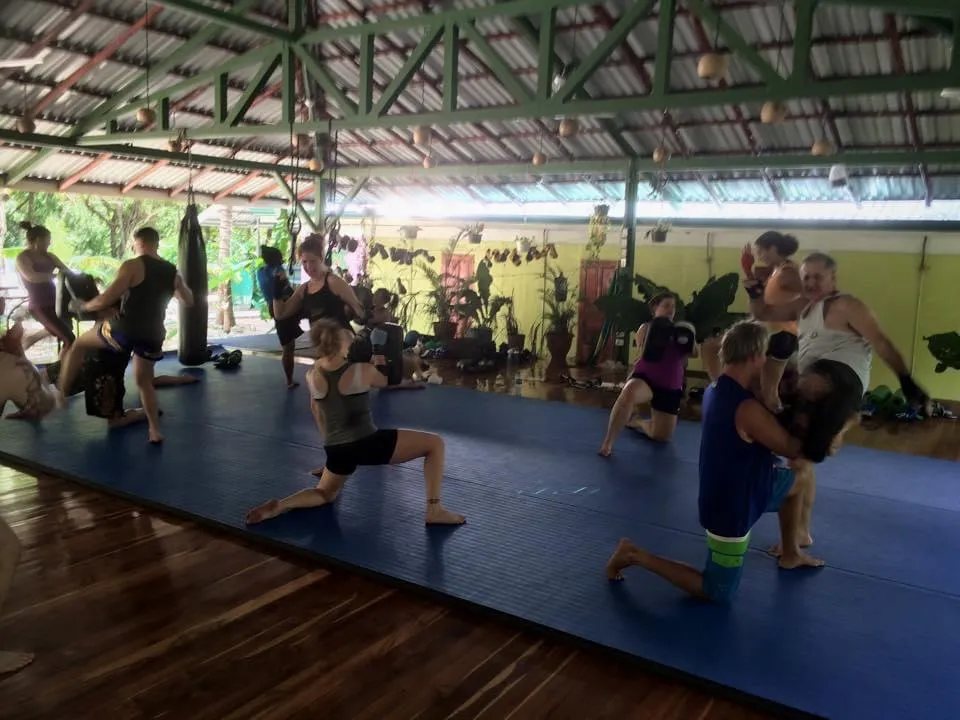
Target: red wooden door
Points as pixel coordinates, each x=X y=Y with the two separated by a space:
x=595 y=279
x=458 y=267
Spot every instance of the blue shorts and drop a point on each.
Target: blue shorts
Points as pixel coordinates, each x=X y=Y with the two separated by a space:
x=724 y=567
x=119 y=342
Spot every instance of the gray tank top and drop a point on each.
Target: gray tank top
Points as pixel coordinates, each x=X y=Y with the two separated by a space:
x=818 y=342
x=346 y=416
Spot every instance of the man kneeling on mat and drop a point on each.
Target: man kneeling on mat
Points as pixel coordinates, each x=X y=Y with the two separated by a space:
x=741 y=478
x=340 y=402
x=657 y=377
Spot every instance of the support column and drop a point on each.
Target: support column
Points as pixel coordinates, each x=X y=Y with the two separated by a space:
x=628 y=251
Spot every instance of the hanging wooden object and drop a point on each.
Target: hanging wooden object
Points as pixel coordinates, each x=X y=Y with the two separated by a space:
x=427 y=162
x=146 y=116
x=712 y=66
x=772 y=113
x=660 y=155
x=539 y=159
x=26 y=125
x=422 y=135
x=822 y=148
x=568 y=127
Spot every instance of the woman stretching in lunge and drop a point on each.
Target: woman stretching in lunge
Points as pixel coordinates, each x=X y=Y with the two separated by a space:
x=340 y=402
x=741 y=478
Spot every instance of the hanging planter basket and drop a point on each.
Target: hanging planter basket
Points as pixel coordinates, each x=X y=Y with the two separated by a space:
x=409 y=232
x=475 y=238
x=524 y=245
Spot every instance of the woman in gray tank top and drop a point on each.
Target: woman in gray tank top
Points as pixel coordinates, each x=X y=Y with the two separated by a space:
x=340 y=402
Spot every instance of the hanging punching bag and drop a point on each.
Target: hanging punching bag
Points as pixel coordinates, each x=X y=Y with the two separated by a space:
x=193 y=269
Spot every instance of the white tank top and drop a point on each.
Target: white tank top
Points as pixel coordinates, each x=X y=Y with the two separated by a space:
x=818 y=342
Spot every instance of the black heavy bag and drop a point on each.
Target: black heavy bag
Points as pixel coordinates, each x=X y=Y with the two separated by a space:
x=387 y=340
x=659 y=336
x=193 y=270
x=684 y=337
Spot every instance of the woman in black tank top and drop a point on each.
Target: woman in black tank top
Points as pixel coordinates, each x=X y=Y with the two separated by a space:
x=324 y=296
x=341 y=408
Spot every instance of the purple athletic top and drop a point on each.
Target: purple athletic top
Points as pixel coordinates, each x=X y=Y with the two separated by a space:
x=668 y=372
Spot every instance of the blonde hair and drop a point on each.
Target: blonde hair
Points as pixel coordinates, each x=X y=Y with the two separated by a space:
x=744 y=341
x=327 y=337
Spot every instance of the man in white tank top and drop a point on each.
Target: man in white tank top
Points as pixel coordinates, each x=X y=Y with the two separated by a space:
x=838 y=335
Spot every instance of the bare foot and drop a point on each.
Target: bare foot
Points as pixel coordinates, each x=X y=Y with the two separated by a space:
x=801 y=559
x=156 y=438
x=621 y=559
x=776 y=550
x=11 y=662
x=605 y=450
x=270 y=509
x=439 y=515
x=292 y=384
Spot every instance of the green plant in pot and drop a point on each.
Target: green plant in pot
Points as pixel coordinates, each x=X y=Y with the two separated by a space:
x=475 y=301
x=945 y=348
x=708 y=310
x=441 y=301
x=559 y=315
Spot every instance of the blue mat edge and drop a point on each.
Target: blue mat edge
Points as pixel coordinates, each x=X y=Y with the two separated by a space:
x=282 y=549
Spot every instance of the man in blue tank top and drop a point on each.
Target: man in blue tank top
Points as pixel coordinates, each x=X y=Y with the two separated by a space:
x=741 y=478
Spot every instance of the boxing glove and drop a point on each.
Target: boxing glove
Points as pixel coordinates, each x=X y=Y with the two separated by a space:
x=658 y=338
x=281 y=286
x=684 y=337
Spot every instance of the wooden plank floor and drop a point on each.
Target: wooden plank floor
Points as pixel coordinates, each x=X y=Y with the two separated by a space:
x=136 y=615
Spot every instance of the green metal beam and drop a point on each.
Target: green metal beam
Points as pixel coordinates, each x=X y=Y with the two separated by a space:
x=494 y=60
x=933 y=8
x=367 y=63
x=330 y=87
x=253 y=90
x=802 y=42
x=714 y=163
x=546 y=54
x=431 y=36
x=664 y=58
x=102 y=113
x=292 y=197
x=614 y=37
x=56 y=142
x=358 y=185
x=451 y=67
x=511 y=8
x=734 y=40
x=295 y=16
x=288 y=92
x=225 y=19
x=221 y=98
x=755 y=94
x=549 y=61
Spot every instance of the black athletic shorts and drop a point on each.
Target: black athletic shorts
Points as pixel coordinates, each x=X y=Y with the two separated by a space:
x=782 y=346
x=663 y=400
x=288 y=330
x=376 y=449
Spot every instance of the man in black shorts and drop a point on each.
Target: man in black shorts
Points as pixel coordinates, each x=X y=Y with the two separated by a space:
x=143 y=287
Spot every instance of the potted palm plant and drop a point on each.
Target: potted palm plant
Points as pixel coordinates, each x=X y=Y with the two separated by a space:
x=441 y=301
x=476 y=302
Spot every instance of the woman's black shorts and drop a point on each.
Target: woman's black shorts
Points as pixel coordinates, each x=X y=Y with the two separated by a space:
x=376 y=449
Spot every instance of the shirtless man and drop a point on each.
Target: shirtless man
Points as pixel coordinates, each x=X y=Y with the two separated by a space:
x=838 y=335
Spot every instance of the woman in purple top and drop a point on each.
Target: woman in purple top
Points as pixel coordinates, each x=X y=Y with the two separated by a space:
x=657 y=376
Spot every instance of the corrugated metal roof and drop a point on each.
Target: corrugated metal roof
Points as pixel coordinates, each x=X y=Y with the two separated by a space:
x=848 y=42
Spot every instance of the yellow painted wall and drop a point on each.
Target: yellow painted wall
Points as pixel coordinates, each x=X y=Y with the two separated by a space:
x=881 y=268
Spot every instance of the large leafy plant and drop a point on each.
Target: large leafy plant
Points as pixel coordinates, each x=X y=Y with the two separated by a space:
x=475 y=299
x=708 y=309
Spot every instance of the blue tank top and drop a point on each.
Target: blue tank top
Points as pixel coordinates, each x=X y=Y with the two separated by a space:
x=736 y=477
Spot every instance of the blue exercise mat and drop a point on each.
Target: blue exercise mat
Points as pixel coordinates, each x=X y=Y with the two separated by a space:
x=870 y=636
